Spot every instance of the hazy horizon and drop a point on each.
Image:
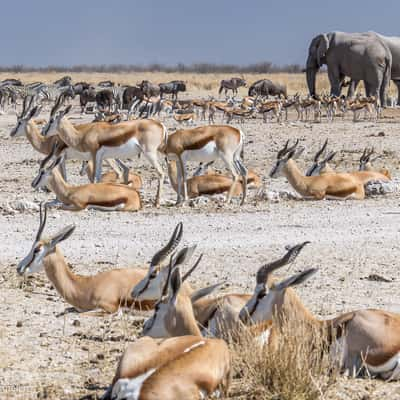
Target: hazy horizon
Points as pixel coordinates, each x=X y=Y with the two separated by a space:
x=143 y=33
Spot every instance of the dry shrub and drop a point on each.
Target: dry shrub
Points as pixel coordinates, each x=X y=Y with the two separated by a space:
x=295 y=366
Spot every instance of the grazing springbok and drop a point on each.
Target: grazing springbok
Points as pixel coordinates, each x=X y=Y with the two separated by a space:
x=204 y=144
x=362 y=340
x=103 y=140
x=99 y=196
x=321 y=167
x=327 y=186
x=120 y=174
x=210 y=183
x=185 y=366
x=107 y=290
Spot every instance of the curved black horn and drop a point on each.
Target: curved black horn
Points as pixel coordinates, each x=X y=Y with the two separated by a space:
x=320 y=151
x=42 y=223
x=196 y=264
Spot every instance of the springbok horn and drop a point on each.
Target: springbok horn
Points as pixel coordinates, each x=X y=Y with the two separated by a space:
x=289 y=257
x=169 y=247
x=192 y=269
x=320 y=151
x=42 y=223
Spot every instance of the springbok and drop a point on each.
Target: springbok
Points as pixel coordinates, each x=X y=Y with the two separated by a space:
x=359 y=340
x=184 y=367
x=108 y=291
x=366 y=163
x=102 y=140
x=321 y=167
x=99 y=196
x=204 y=144
x=327 y=186
x=120 y=174
x=210 y=183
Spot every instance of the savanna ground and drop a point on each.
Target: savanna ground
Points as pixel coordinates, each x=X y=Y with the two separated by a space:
x=46 y=356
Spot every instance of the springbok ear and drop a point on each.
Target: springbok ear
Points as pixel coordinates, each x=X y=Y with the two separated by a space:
x=198 y=294
x=185 y=255
x=295 y=279
x=330 y=156
x=298 y=152
x=176 y=283
x=66 y=111
x=62 y=235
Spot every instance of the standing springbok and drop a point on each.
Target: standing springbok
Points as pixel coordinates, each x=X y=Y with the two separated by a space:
x=204 y=144
x=327 y=186
x=107 y=290
x=186 y=366
x=102 y=140
x=99 y=196
x=363 y=340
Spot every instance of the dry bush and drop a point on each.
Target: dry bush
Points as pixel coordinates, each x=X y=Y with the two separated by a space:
x=296 y=366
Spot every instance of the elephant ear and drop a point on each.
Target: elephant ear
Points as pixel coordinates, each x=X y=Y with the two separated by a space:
x=322 y=47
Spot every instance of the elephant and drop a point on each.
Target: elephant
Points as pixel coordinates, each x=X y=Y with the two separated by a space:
x=359 y=56
x=393 y=43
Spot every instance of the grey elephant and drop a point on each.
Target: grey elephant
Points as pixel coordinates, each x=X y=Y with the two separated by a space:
x=393 y=43
x=359 y=56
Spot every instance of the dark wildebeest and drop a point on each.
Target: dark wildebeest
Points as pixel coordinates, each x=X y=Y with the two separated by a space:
x=265 y=87
x=64 y=81
x=231 y=84
x=106 y=84
x=104 y=99
x=132 y=94
x=173 y=88
x=87 y=95
x=79 y=87
x=149 y=89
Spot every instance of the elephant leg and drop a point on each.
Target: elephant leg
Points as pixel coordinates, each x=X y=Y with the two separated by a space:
x=335 y=81
x=352 y=88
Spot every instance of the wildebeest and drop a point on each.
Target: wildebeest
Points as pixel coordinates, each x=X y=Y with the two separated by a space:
x=79 y=87
x=104 y=99
x=131 y=94
x=231 y=84
x=172 y=88
x=86 y=96
x=64 y=81
x=265 y=87
x=149 y=89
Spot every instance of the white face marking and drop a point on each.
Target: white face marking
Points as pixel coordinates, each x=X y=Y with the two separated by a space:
x=153 y=291
x=155 y=325
x=34 y=260
x=128 y=149
x=207 y=153
x=129 y=389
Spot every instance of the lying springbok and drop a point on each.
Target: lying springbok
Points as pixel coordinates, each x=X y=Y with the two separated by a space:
x=99 y=196
x=103 y=140
x=366 y=163
x=327 y=186
x=108 y=291
x=120 y=174
x=185 y=366
x=321 y=167
x=359 y=340
x=210 y=183
x=204 y=144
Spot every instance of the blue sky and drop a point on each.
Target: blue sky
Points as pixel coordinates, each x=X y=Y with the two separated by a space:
x=70 y=32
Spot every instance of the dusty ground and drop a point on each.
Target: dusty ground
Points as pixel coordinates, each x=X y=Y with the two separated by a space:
x=45 y=356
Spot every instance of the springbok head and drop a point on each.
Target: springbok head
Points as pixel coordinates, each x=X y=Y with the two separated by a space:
x=258 y=308
x=365 y=159
x=151 y=286
x=318 y=166
x=283 y=156
x=33 y=262
x=51 y=128
x=46 y=167
x=173 y=313
x=28 y=112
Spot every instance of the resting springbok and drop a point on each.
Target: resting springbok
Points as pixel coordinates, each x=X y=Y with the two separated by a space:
x=204 y=144
x=362 y=340
x=120 y=174
x=99 y=196
x=366 y=163
x=185 y=366
x=108 y=291
x=364 y=175
x=210 y=183
x=327 y=186
x=103 y=140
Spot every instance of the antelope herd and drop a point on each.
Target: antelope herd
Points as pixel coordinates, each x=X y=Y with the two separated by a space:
x=183 y=351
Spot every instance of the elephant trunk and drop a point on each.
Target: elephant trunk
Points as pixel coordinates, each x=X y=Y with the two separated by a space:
x=311 y=73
